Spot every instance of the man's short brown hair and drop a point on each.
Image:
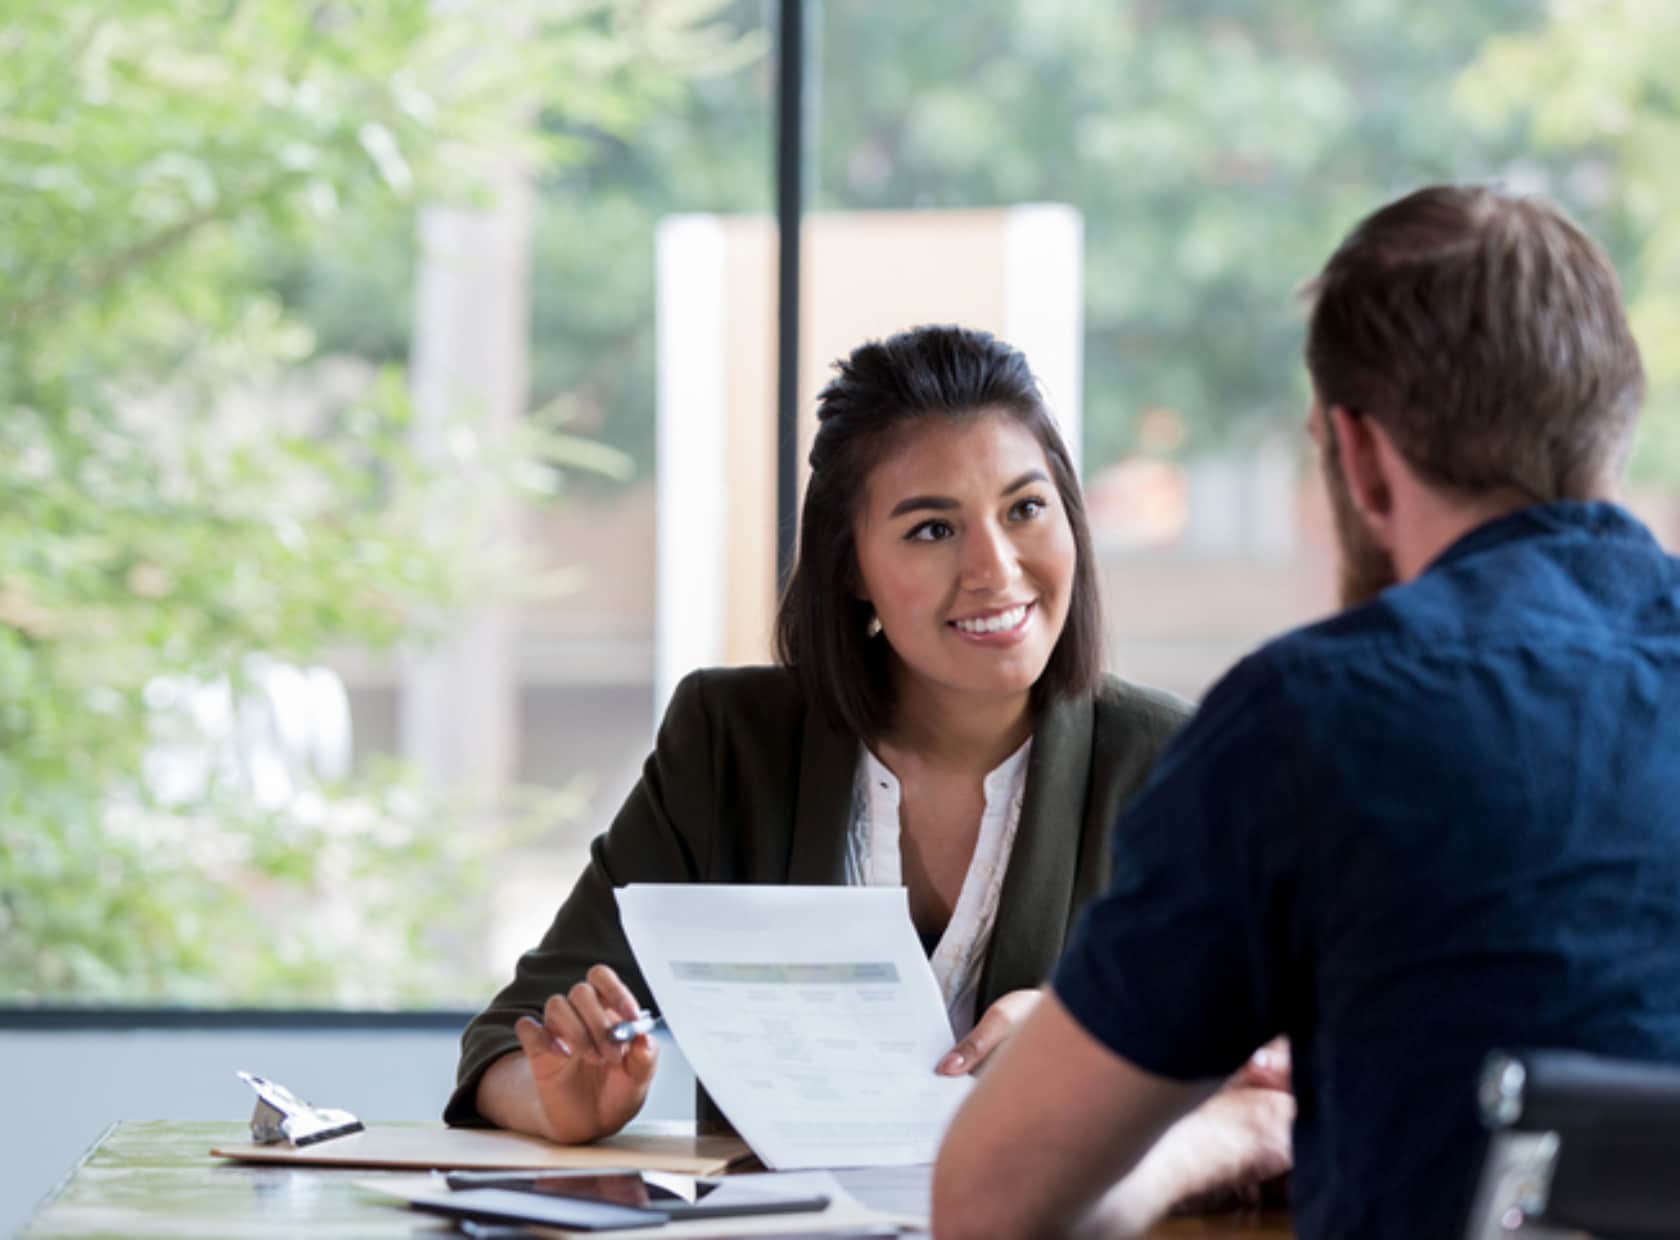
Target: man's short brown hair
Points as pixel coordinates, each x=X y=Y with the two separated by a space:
x=1486 y=334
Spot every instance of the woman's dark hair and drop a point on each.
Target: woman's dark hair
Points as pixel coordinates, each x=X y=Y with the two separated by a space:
x=883 y=389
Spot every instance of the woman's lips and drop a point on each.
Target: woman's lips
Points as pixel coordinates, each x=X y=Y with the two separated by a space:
x=995 y=627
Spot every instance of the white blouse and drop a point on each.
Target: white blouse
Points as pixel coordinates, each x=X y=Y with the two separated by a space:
x=873 y=859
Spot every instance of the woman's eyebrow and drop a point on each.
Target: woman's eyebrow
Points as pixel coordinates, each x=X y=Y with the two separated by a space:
x=1032 y=475
x=944 y=503
x=938 y=503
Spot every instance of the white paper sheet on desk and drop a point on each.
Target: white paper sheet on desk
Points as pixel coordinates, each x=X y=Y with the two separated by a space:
x=810 y=1014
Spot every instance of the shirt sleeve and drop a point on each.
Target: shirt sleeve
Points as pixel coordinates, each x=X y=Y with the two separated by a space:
x=661 y=835
x=1176 y=968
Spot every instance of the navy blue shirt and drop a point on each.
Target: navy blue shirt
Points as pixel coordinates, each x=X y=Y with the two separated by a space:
x=1445 y=821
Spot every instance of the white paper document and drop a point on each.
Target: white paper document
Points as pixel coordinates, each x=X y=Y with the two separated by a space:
x=810 y=1014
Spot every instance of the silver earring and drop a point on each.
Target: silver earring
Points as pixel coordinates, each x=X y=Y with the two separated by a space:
x=873 y=628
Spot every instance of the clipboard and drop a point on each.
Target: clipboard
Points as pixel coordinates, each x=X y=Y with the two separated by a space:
x=410 y=1147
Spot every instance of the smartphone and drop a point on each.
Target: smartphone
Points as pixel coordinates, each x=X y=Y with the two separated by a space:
x=510 y=1205
x=620 y=1188
x=624 y=1188
x=721 y=1198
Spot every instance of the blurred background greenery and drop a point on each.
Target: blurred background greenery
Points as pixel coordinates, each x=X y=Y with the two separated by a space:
x=181 y=184
x=1216 y=149
x=201 y=199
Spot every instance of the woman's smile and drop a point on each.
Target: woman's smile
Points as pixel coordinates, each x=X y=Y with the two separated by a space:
x=1003 y=627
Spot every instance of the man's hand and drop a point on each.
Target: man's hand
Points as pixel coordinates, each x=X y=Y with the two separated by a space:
x=588 y=1086
x=1221 y=1153
x=1054 y=1121
x=1268 y=1068
x=1000 y=1020
x=1218 y=1156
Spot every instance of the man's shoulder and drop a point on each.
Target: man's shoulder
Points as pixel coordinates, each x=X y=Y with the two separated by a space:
x=1427 y=617
x=1356 y=631
x=1559 y=575
x=1306 y=676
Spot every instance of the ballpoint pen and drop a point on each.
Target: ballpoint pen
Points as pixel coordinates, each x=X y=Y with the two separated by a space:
x=628 y=1030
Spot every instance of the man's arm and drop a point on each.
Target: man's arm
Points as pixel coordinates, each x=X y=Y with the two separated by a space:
x=1055 y=1121
x=1173 y=967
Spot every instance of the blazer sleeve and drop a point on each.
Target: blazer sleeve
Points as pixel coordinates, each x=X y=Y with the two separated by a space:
x=663 y=834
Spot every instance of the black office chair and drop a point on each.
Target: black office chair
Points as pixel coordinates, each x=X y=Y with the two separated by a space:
x=1579 y=1143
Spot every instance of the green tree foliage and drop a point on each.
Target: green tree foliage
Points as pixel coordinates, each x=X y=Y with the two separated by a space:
x=1217 y=151
x=165 y=526
x=704 y=147
x=197 y=197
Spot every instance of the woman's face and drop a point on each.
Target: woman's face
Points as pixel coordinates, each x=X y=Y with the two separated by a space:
x=967 y=555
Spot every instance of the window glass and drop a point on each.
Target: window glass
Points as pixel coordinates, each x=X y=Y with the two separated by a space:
x=1215 y=153
x=386 y=398
x=326 y=552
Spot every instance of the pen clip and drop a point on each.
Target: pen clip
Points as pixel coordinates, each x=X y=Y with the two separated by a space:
x=627 y=1030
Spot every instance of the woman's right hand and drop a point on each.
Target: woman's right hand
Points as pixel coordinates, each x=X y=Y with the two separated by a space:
x=588 y=1086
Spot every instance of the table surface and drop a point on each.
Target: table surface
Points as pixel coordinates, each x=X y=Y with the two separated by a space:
x=157 y=1179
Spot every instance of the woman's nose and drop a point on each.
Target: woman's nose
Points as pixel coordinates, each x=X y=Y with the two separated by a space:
x=989 y=561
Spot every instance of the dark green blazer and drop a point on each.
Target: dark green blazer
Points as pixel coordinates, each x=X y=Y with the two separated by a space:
x=747 y=784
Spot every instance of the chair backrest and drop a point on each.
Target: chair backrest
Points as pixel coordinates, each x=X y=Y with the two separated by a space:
x=1579 y=1143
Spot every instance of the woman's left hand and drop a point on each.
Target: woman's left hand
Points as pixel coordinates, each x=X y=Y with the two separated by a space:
x=1000 y=1020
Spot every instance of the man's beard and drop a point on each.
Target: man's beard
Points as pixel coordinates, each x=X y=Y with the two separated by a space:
x=1364 y=569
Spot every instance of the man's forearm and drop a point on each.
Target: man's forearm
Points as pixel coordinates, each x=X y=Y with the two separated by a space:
x=1051 y=1125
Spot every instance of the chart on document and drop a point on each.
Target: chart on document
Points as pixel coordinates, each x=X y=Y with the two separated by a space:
x=810 y=1014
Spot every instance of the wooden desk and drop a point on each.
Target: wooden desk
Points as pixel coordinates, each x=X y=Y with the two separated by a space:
x=158 y=1179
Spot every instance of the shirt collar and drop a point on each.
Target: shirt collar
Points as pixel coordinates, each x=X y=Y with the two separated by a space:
x=1004 y=778
x=1000 y=782
x=1597 y=518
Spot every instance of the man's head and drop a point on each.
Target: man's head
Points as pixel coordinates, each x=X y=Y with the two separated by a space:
x=1476 y=342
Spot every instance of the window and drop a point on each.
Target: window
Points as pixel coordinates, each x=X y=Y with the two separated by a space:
x=1215 y=153
x=331 y=611
x=326 y=557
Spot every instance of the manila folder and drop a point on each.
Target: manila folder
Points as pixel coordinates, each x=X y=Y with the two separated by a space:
x=414 y=1146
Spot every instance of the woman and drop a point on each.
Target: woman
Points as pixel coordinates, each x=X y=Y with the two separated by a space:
x=939 y=719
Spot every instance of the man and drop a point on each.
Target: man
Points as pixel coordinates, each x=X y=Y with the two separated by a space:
x=1446 y=820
